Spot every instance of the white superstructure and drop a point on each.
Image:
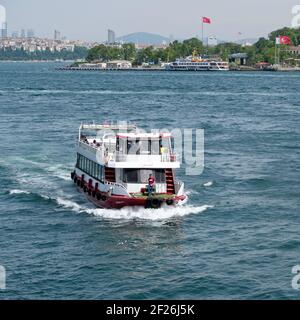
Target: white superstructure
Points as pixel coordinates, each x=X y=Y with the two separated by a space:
x=197 y=64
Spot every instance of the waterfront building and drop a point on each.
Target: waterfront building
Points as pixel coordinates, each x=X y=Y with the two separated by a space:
x=38 y=44
x=30 y=33
x=111 y=36
x=15 y=34
x=293 y=50
x=212 y=41
x=93 y=66
x=119 y=64
x=57 y=35
x=239 y=58
x=4 y=30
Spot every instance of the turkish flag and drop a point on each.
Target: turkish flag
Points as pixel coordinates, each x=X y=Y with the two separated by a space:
x=285 y=40
x=206 y=20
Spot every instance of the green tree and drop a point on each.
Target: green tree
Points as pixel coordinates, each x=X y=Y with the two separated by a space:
x=128 y=51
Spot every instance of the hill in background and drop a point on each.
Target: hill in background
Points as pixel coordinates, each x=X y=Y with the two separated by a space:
x=143 y=38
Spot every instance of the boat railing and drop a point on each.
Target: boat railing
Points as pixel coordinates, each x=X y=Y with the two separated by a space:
x=91 y=147
x=119 y=185
x=166 y=157
x=169 y=157
x=86 y=145
x=121 y=157
x=179 y=187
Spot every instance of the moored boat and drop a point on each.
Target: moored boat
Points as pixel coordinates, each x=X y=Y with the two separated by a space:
x=194 y=63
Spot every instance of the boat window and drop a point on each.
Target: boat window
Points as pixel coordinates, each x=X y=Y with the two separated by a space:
x=84 y=164
x=141 y=146
x=81 y=162
x=138 y=147
x=90 y=167
x=160 y=176
x=93 y=169
x=121 y=145
x=145 y=147
x=130 y=176
x=142 y=175
x=155 y=147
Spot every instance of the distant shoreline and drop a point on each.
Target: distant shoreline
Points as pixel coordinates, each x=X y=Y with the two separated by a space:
x=138 y=69
x=75 y=69
x=37 y=61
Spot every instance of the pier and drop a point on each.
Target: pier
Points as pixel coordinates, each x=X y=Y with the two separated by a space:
x=68 y=68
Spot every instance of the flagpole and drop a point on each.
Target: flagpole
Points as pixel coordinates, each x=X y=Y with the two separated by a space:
x=202 y=32
x=275 y=51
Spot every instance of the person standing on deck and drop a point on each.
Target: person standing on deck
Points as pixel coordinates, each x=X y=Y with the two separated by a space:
x=151 y=184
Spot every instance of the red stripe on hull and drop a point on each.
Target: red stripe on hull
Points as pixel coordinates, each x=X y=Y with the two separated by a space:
x=118 y=202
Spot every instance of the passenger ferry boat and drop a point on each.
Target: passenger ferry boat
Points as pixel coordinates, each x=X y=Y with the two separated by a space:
x=193 y=63
x=114 y=163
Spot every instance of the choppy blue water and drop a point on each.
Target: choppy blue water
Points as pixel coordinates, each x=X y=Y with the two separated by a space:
x=238 y=237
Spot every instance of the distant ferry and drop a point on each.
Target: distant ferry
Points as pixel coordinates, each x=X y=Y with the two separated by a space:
x=118 y=166
x=197 y=64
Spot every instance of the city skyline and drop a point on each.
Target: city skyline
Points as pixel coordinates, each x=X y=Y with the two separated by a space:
x=230 y=21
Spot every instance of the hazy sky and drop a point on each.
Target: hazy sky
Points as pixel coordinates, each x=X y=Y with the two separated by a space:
x=90 y=19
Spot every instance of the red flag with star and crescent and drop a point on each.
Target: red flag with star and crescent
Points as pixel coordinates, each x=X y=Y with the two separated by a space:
x=285 y=40
x=206 y=20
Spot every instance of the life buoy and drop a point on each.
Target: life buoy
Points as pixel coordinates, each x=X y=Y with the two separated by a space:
x=153 y=203
x=170 y=202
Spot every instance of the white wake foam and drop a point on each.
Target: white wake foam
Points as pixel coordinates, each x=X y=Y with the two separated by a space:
x=208 y=184
x=163 y=213
x=127 y=213
x=130 y=213
x=60 y=171
x=70 y=204
x=17 y=191
x=190 y=192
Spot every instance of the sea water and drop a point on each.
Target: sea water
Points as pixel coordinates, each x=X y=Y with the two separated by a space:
x=237 y=237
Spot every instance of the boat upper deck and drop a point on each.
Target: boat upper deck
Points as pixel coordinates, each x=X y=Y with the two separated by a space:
x=115 y=147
